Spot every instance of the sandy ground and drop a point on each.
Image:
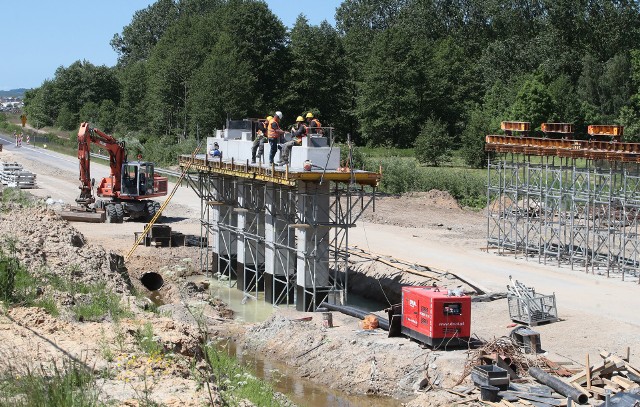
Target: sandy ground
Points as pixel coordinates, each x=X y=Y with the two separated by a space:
x=427 y=229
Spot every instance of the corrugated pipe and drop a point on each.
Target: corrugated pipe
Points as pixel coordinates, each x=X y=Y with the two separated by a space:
x=383 y=323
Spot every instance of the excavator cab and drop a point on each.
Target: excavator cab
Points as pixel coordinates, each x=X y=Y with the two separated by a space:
x=137 y=179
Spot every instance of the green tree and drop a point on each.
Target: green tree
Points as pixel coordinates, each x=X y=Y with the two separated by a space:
x=90 y=112
x=223 y=87
x=67 y=120
x=533 y=103
x=107 y=115
x=144 y=32
x=318 y=76
x=433 y=145
x=473 y=136
x=387 y=103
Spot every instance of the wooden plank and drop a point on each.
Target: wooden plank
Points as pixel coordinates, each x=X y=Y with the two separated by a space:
x=624 y=382
x=582 y=390
x=588 y=371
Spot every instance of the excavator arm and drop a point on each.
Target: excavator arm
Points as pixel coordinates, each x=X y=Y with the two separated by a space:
x=117 y=156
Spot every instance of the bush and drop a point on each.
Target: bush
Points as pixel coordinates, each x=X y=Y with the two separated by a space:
x=433 y=145
x=407 y=175
x=357 y=156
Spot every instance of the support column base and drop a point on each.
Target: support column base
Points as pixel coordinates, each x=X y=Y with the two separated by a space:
x=305 y=301
x=247 y=277
x=275 y=290
x=228 y=266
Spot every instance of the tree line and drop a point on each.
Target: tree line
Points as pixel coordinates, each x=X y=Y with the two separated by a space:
x=434 y=74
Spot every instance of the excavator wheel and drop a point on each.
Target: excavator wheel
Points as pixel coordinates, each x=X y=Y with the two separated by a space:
x=110 y=209
x=119 y=213
x=151 y=209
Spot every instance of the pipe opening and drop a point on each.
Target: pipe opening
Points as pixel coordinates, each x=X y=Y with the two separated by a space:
x=152 y=281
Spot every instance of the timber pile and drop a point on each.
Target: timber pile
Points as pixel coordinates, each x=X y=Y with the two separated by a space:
x=612 y=373
x=13 y=175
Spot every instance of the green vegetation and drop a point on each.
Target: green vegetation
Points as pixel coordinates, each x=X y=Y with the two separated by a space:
x=391 y=73
x=147 y=341
x=71 y=385
x=15 y=196
x=234 y=382
x=99 y=303
x=19 y=287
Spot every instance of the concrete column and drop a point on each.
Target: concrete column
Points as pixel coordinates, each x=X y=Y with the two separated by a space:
x=312 y=245
x=279 y=260
x=241 y=219
x=226 y=238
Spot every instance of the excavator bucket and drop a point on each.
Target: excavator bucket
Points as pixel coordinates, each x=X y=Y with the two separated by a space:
x=83 y=216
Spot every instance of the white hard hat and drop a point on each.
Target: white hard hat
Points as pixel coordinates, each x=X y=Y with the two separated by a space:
x=279 y=114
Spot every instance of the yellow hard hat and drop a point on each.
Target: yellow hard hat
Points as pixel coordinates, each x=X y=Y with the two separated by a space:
x=269 y=118
x=299 y=119
x=309 y=115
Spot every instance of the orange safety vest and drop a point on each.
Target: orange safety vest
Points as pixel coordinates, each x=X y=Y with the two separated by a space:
x=318 y=125
x=271 y=132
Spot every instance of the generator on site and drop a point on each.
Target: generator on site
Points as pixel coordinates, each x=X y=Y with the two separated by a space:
x=435 y=316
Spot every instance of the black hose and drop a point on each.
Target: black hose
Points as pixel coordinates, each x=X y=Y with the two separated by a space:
x=558 y=385
x=355 y=312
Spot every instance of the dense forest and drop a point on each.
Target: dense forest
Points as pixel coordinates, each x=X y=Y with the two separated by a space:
x=402 y=73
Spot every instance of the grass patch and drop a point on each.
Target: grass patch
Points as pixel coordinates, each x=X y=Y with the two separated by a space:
x=466 y=185
x=100 y=304
x=146 y=340
x=71 y=385
x=235 y=382
x=15 y=196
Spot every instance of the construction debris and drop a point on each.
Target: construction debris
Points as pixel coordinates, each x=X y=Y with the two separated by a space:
x=161 y=236
x=613 y=374
x=528 y=307
x=12 y=175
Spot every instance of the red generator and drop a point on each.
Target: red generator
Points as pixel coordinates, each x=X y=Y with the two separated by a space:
x=436 y=316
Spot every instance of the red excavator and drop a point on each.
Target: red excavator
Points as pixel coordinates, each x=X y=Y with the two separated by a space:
x=125 y=191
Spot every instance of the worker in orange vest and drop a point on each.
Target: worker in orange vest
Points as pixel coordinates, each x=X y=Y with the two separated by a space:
x=313 y=124
x=261 y=137
x=299 y=131
x=274 y=132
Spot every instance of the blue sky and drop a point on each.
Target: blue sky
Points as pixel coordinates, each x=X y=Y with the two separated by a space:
x=38 y=36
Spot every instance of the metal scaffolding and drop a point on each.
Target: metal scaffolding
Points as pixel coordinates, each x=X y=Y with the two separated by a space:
x=565 y=210
x=279 y=235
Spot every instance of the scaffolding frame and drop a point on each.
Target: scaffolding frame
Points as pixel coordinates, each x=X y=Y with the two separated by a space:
x=319 y=210
x=564 y=210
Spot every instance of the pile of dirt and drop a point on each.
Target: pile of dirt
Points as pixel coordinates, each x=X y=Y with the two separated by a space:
x=434 y=198
x=47 y=244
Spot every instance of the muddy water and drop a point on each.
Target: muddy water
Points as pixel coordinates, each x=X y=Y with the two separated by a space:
x=302 y=392
x=283 y=378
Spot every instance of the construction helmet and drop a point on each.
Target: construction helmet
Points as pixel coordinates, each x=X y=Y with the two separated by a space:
x=309 y=115
x=279 y=114
x=269 y=118
x=299 y=119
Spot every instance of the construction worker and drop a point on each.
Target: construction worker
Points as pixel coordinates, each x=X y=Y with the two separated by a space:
x=215 y=151
x=313 y=124
x=274 y=132
x=261 y=138
x=299 y=131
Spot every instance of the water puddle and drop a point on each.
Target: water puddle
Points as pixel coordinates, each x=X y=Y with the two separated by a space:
x=302 y=392
x=283 y=378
